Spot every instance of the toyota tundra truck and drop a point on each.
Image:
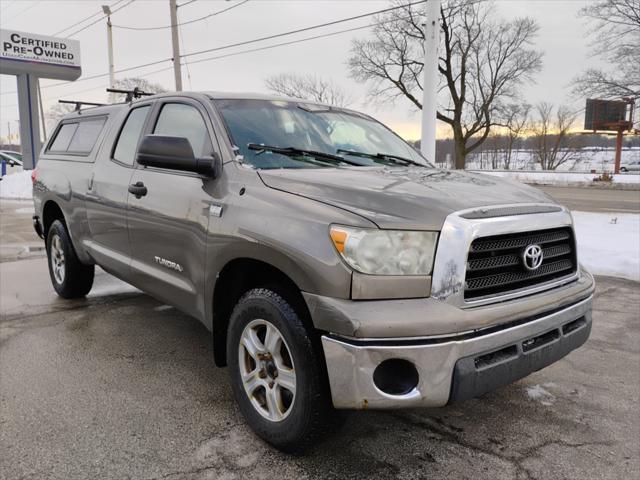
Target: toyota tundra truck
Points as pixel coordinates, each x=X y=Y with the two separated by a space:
x=334 y=266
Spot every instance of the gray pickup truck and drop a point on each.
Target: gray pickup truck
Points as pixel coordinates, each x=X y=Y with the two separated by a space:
x=335 y=267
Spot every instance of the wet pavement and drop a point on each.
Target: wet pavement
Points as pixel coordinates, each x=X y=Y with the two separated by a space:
x=17 y=238
x=120 y=386
x=594 y=199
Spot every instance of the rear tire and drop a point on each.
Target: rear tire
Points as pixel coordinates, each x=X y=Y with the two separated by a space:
x=280 y=387
x=624 y=169
x=70 y=277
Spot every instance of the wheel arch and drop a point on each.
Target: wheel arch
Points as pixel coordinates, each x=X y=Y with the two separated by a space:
x=236 y=278
x=51 y=212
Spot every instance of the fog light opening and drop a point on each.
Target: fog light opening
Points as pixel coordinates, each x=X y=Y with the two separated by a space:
x=395 y=376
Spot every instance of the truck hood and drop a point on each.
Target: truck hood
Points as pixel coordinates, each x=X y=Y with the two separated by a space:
x=403 y=198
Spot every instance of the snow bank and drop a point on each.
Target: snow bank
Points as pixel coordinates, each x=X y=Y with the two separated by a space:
x=559 y=178
x=17 y=186
x=609 y=244
x=589 y=158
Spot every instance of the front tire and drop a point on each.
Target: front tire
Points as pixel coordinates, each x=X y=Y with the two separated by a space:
x=70 y=277
x=277 y=373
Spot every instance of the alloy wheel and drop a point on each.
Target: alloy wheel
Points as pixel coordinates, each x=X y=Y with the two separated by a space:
x=267 y=370
x=57 y=259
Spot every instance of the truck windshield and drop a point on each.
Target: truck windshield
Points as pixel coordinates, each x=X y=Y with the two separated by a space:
x=292 y=131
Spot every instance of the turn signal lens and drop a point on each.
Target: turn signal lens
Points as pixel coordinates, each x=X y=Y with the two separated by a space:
x=339 y=238
x=34 y=175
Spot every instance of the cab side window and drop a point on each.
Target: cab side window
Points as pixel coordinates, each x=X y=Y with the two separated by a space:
x=127 y=145
x=180 y=120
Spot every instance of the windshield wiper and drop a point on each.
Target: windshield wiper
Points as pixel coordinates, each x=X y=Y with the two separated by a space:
x=381 y=156
x=291 y=151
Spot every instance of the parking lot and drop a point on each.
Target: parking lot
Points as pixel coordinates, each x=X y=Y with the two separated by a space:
x=121 y=386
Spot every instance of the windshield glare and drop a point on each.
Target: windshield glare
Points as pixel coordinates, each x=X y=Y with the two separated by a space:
x=315 y=128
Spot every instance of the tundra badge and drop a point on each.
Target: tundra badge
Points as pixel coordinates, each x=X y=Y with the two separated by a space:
x=168 y=263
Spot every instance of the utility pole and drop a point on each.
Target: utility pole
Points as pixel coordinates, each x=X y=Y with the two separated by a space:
x=430 y=84
x=177 y=72
x=112 y=77
x=9 y=128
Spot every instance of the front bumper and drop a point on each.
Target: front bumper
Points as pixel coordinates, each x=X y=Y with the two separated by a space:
x=455 y=367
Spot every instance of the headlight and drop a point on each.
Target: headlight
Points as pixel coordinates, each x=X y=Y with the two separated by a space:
x=386 y=252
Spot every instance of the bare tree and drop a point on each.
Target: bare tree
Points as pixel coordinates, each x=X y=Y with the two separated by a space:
x=55 y=113
x=309 y=87
x=516 y=121
x=129 y=83
x=483 y=61
x=616 y=39
x=553 y=146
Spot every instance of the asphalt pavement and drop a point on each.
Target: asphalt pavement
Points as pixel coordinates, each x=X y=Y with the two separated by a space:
x=592 y=199
x=119 y=386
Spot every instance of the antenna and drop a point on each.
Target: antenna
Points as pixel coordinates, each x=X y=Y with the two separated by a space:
x=131 y=94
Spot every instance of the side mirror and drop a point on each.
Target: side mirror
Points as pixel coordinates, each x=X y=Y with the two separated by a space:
x=175 y=153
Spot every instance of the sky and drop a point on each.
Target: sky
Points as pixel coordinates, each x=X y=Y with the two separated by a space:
x=562 y=38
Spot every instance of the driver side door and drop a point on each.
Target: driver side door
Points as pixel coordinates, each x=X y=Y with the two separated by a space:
x=168 y=224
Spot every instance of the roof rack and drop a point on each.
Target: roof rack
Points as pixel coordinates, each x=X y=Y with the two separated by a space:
x=131 y=94
x=79 y=104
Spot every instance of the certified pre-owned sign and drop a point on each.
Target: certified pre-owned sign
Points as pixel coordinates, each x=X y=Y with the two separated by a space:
x=33 y=48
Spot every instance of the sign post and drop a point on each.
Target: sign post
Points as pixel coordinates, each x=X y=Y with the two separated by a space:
x=30 y=56
x=610 y=116
x=29 y=115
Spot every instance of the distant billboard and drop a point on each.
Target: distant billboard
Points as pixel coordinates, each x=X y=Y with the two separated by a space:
x=605 y=115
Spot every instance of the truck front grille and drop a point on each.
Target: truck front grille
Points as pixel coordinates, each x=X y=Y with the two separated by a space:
x=495 y=265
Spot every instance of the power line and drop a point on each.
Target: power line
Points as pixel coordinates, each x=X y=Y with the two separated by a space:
x=186 y=3
x=188 y=22
x=22 y=11
x=300 y=30
x=84 y=19
x=243 y=52
x=186 y=64
x=157 y=62
x=292 y=42
x=4 y=7
x=100 y=19
x=218 y=57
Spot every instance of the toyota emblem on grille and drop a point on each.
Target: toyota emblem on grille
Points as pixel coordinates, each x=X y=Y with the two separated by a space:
x=532 y=257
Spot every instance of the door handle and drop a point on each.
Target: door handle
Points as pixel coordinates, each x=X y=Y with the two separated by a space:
x=138 y=189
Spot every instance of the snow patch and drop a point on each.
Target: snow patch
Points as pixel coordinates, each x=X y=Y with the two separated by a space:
x=540 y=394
x=559 y=178
x=589 y=158
x=17 y=186
x=609 y=244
